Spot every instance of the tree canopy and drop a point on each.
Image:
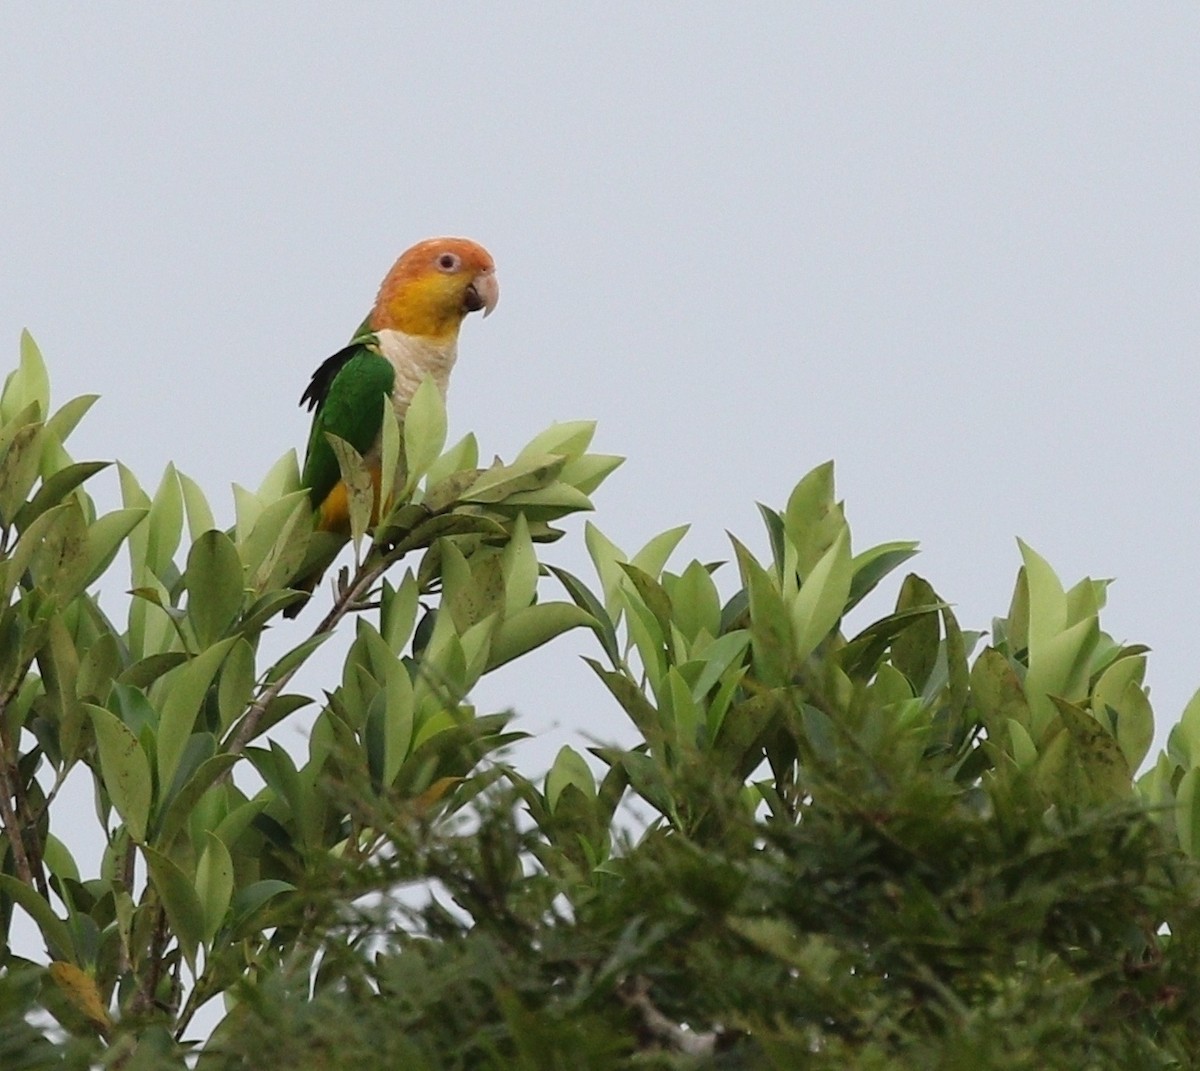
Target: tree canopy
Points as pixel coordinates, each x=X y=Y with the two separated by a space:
x=906 y=844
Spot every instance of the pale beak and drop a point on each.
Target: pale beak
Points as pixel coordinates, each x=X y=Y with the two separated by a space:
x=483 y=293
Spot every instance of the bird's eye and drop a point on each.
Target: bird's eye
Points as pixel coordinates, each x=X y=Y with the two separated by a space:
x=449 y=262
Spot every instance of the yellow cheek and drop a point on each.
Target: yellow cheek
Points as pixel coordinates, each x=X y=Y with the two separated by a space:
x=430 y=307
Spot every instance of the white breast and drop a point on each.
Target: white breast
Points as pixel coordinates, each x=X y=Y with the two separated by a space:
x=414 y=359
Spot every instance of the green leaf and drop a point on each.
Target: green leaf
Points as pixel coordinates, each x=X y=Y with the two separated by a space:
x=607 y=557
x=915 y=649
x=451 y=524
x=286 y=556
x=812 y=519
x=398 y=612
x=1119 y=701
x=31 y=381
x=770 y=624
x=360 y=487
x=390 y=724
x=860 y=656
x=125 y=770
x=235 y=689
x=58 y=859
x=649 y=639
x=1095 y=771
x=195 y=505
x=1086 y=599
x=463 y=455
x=1187 y=812
x=274 y=544
x=55 y=488
x=685 y=711
x=178 y=895
x=471 y=591
x=570 y=439
x=570 y=768
x=547 y=503
x=19 y=469
x=588 y=472
x=1047 y=601
x=813 y=958
x=501 y=481
x=1058 y=667
x=738 y=745
x=695 y=601
x=533 y=626
x=185 y=689
x=27 y=547
x=821 y=601
x=391 y=467
x=653 y=556
x=164 y=525
x=104 y=538
x=1186 y=734
x=718 y=656
x=1024 y=751
x=651 y=594
x=890 y=686
x=188 y=797
x=871 y=566
x=519 y=566
x=214 y=583
x=956 y=647
x=582 y=596
x=98 y=669
x=997 y=696
x=281 y=480
x=67 y=417
x=265 y=607
x=249 y=899
x=53 y=929
x=424 y=430
x=646 y=779
x=59 y=564
x=134 y=497
x=214 y=884
x=147 y=670
x=633 y=701
x=441 y=496
x=296 y=656
x=58 y=661
x=1155 y=786
x=129 y=703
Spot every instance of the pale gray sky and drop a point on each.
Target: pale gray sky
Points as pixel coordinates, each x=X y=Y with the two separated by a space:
x=954 y=247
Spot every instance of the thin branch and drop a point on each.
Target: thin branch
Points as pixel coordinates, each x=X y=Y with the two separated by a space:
x=8 y=817
x=145 y=998
x=635 y=994
x=16 y=816
x=364 y=579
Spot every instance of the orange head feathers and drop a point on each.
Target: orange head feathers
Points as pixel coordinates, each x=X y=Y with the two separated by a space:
x=433 y=286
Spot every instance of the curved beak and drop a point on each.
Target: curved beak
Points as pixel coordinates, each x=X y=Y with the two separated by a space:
x=483 y=293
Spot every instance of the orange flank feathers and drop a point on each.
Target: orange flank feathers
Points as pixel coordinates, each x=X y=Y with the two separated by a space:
x=334 y=513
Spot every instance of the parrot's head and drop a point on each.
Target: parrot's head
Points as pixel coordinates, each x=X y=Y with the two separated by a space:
x=433 y=286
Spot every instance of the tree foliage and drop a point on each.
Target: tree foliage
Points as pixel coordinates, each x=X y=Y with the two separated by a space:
x=892 y=844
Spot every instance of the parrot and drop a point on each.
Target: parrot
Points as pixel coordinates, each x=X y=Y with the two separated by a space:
x=410 y=333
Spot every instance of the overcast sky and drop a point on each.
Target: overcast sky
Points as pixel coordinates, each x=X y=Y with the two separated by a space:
x=954 y=247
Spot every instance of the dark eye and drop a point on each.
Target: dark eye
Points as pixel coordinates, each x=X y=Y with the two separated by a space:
x=449 y=262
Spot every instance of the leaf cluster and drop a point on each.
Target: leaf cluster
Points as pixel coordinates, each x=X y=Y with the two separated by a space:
x=837 y=841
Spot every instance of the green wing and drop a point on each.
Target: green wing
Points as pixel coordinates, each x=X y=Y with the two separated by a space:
x=346 y=392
